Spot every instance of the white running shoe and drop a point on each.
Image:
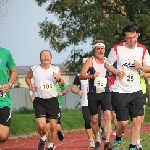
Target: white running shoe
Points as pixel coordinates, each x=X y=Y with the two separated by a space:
x=91 y=144
x=139 y=146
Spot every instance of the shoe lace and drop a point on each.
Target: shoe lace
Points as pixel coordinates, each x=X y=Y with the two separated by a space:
x=42 y=143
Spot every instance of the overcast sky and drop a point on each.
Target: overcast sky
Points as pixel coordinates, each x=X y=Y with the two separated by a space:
x=19 y=32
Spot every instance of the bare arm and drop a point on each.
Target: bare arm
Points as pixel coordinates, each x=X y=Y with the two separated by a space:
x=61 y=83
x=66 y=90
x=28 y=80
x=111 y=69
x=75 y=90
x=13 y=75
x=85 y=68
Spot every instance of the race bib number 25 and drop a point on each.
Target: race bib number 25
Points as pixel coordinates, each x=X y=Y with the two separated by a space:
x=130 y=77
x=46 y=85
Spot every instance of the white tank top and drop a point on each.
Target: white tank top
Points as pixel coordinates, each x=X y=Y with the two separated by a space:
x=44 y=82
x=97 y=67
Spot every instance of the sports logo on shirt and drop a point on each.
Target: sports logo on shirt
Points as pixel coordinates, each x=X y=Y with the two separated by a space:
x=128 y=64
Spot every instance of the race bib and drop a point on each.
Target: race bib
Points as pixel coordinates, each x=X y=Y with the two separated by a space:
x=2 y=94
x=130 y=77
x=46 y=85
x=100 y=82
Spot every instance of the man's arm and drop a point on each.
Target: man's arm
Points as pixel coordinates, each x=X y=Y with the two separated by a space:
x=146 y=63
x=13 y=75
x=83 y=74
x=111 y=69
x=59 y=79
x=28 y=80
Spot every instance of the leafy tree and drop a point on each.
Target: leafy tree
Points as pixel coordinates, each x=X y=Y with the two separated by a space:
x=80 y=20
x=3 y=13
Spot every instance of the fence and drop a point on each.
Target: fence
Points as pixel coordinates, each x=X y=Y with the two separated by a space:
x=20 y=98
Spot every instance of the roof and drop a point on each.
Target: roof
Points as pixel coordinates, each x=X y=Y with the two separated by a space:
x=23 y=70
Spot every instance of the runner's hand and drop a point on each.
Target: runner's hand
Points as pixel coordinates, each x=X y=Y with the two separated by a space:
x=95 y=75
x=121 y=74
x=60 y=94
x=80 y=93
x=137 y=65
x=5 y=88
x=32 y=87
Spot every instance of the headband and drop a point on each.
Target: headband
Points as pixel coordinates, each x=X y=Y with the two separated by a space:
x=98 y=44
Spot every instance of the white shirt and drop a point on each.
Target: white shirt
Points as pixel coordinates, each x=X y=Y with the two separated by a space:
x=44 y=82
x=84 y=89
x=125 y=60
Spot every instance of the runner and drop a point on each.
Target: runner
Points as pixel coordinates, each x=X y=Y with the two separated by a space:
x=143 y=85
x=8 y=75
x=98 y=93
x=82 y=92
x=45 y=103
x=128 y=97
x=62 y=90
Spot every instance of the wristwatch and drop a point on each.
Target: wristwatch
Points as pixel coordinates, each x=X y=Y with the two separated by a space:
x=63 y=92
x=10 y=84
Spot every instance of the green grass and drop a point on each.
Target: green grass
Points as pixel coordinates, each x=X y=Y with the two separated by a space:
x=23 y=121
x=144 y=140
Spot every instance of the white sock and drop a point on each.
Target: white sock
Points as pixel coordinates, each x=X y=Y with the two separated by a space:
x=106 y=141
x=138 y=142
x=43 y=138
x=91 y=140
x=50 y=144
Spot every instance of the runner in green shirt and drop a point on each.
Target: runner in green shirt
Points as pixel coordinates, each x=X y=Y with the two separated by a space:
x=8 y=75
x=62 y=90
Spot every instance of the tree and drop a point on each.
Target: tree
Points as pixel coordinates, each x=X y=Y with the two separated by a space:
x=3 y=13
x=80 y=20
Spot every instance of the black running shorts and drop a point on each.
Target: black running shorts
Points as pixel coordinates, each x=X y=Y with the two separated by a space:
x=96 y=99
x=5 y=116
x=128 y=105
x=47 y=108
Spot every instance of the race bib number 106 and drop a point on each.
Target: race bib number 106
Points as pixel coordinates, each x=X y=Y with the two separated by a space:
x=46 y=85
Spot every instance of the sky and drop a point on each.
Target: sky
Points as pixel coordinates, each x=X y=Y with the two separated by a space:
x=19 y=32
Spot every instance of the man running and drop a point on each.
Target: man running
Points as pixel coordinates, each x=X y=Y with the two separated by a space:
x=8 y=75
x=45 y=103
x=98 y=91
x=62 y=91
x=82 y=92
x=143 y=85
x=128 y=97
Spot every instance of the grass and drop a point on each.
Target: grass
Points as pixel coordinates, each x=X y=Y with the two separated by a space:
x=23 y=122
x=144 y=140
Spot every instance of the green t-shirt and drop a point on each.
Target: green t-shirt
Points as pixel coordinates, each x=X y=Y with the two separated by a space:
x=60 y=89
x=143 y=84
x=6 y=64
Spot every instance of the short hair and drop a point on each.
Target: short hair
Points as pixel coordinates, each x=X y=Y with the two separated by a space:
x=98 y=41
x=44 y=51
x=129 y=28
